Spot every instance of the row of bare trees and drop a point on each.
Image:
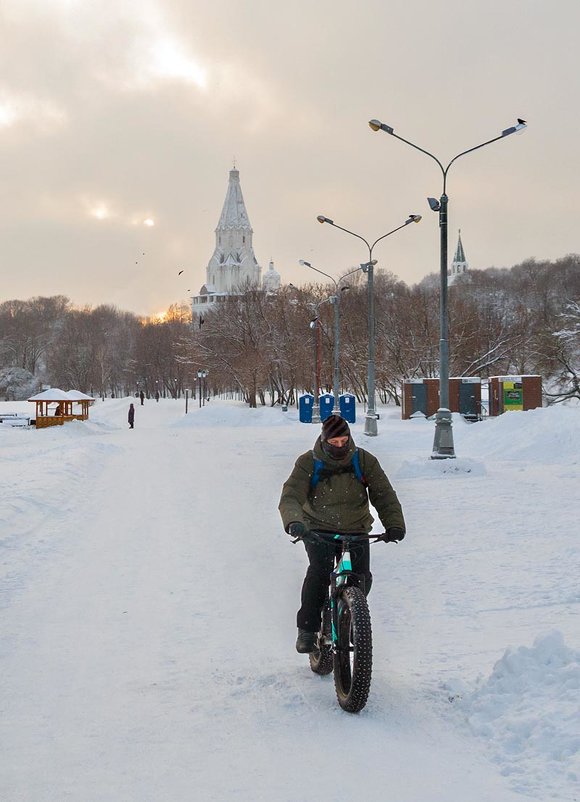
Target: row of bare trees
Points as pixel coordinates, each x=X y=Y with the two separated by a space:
x=260 y=346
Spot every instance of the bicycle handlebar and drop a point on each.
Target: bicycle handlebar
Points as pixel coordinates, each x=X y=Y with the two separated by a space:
x=317 y=536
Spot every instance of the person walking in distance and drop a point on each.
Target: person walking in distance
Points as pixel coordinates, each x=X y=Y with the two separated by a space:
x=142 y=397
x=329 y=490
x=131 y=416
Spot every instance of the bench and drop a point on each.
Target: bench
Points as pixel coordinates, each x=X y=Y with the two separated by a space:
x=14 y=419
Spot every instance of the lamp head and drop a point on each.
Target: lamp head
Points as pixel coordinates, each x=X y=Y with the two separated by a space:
x=366 y=266
x=377 y=125
x=434 y=204
x=303 y=263
x=322 y=219
x=519 y=128
x=413 y=218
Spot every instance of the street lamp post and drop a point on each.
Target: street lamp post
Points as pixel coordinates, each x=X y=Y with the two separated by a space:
x=315 y=326
x=443 y=440
x=335 y=301
x=201 y=376
x=371 y=427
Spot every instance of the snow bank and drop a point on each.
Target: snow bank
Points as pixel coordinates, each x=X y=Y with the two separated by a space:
x=42 y=469
x=550 y=434
x=436 y=468
x=237 y=414
x=528 y=712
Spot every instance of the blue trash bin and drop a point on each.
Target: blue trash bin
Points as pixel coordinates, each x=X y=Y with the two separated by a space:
x=305 y=404
x=346 y=404
x=326 y=401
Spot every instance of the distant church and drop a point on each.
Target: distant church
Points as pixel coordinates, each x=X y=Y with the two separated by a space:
x=233 y=266
x=459 y=264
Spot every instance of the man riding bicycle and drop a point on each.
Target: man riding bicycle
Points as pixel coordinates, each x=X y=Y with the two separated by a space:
x=329 y=490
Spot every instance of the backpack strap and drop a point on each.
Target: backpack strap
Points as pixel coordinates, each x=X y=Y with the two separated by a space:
x=357 y=468
x=318 y=468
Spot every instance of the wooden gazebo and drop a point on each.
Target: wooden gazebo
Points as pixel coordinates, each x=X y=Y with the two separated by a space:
x=53 y=407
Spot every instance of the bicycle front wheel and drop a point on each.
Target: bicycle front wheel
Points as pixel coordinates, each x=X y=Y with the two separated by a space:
x=353 y=658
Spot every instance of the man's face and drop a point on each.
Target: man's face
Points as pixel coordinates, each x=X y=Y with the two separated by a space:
x=338 y=442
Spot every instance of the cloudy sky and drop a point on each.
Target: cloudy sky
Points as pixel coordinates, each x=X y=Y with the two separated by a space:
x=120 y=120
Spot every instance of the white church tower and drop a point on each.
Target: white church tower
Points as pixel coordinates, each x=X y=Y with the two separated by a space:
x=233 y=266
x=459 y=264
x=271 y=280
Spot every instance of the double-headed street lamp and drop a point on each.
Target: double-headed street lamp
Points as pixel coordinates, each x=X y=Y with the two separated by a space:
x=371 y=427
x=443 y=441
x=202 y=376
x=335 y=301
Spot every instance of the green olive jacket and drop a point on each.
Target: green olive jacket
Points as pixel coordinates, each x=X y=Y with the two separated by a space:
x=339 y=502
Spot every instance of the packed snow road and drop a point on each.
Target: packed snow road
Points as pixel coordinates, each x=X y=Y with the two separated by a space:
x=149 y=599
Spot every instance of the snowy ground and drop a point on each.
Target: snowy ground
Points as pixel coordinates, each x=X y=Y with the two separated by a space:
x=148 y=603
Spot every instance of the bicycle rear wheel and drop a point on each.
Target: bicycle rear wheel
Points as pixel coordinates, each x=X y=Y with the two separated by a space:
x=321 y=657
x=353 y=659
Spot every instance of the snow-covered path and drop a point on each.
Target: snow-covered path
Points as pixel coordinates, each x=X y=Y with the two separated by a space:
x=149 y=603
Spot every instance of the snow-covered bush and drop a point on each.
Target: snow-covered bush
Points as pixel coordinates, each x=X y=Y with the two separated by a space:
x=17 y=384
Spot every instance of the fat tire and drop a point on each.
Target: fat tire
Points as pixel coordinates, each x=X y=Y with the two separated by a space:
x=321 y=658
x=353 y=681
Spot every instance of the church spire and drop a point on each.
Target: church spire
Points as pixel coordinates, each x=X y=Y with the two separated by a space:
x=459 y=264
x=459 y=253
x=234 y=214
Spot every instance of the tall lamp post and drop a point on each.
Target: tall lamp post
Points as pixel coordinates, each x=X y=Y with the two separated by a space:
x=371 y=427
x=202 y=375
x=335 y=301
x=315 y=326
x=443 y=441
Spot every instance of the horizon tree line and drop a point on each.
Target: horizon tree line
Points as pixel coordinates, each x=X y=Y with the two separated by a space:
x=259 y=346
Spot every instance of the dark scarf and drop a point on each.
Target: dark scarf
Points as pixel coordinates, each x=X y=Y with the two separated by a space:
x=336 y=452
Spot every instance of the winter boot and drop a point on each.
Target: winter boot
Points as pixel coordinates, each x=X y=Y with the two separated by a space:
x=306 y=641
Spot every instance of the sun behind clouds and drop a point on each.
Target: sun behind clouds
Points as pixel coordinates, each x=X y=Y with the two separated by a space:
x=171 y=61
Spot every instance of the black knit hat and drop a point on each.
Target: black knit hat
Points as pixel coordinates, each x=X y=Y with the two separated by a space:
x=334 y=426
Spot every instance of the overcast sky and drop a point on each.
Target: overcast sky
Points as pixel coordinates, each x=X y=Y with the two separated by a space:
x=120 y=120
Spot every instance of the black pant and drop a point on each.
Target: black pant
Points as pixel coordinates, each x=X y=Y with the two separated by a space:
x=317 y=579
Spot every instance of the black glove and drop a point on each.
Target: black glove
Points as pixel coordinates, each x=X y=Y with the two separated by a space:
x=297 y=529
x=393 y=534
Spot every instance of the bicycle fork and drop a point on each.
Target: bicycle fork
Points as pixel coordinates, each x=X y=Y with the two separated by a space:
x=339 y=579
